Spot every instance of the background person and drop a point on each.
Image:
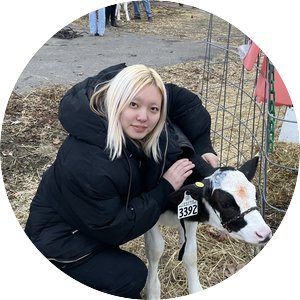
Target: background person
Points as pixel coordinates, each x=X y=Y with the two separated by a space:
x=147 y=8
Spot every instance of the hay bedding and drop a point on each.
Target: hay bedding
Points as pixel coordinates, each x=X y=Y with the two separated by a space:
x=31 y=136
x=169 y=20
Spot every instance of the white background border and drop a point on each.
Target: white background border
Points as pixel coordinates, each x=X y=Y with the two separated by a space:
x=26 y=26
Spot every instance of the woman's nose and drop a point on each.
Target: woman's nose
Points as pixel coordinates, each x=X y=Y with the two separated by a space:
x=142 y=115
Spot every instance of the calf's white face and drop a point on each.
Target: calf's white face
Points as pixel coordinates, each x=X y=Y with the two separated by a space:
x=232 y=207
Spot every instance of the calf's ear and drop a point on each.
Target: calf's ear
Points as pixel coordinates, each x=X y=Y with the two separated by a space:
x=249 y=168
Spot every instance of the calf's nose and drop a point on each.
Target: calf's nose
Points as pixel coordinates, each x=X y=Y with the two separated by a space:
x=264 y=234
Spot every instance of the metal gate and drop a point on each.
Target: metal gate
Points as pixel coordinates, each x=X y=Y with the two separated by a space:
x=243 y=127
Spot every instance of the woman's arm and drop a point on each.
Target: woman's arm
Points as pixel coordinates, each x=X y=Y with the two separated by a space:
x=185 y=110
x=102 y=213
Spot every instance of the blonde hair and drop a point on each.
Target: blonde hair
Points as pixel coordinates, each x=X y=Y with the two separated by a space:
x=114 y=96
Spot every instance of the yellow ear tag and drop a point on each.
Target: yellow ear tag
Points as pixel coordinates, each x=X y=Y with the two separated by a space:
x=199 y=184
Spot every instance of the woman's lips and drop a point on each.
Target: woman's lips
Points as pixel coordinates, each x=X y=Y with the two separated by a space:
x=139 y=128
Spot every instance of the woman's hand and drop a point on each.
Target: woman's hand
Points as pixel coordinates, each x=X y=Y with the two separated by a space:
x=179 y=172
x=211 y=159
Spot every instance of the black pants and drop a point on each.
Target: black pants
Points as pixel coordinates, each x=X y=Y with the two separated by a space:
x=110 y=13
x=112 y=271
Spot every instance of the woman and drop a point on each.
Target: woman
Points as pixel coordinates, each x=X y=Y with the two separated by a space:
x=113 y=173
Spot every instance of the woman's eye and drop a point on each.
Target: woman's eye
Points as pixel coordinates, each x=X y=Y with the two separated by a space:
x=133 y=104
x=154 y=109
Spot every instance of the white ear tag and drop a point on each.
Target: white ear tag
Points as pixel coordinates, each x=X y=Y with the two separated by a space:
x=188 y=207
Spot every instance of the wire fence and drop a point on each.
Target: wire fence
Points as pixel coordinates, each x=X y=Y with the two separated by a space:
x=241 y=124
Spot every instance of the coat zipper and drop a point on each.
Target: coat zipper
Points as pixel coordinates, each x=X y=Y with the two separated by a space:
x=69 y=261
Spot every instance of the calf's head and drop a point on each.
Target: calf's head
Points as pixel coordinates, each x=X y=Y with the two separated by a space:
x=230 y=198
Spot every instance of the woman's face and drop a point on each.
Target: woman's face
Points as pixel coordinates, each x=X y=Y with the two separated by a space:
x=143 y=113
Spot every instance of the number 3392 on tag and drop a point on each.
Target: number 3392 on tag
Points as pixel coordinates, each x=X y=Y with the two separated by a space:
x=188 y=207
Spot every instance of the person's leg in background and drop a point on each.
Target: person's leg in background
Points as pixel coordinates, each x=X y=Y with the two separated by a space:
x=137 y=12
x=101 y=21
x=93 y=22
x=147 y=7
x=113 y=16
x=107 y=14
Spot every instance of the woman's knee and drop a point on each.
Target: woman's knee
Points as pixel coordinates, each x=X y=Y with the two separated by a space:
x=133 y=281
x=112 y=271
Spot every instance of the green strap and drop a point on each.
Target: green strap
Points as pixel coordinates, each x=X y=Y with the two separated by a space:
x=271 y=106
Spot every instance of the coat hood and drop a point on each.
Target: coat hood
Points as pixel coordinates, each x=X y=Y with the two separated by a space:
x=75 y=114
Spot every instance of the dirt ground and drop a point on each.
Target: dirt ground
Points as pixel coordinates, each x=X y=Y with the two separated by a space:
x=168 y=40
x=31 y=136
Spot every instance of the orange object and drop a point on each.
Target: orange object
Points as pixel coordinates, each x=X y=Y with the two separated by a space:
x=282 y=96
x=251 y=57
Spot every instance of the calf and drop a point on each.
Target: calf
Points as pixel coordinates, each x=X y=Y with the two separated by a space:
x=125 y=8
x=226 y=199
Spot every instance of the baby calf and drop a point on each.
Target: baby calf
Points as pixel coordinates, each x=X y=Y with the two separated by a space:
x=226 y=199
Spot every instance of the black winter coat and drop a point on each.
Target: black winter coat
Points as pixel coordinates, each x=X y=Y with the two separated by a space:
x=87 y=202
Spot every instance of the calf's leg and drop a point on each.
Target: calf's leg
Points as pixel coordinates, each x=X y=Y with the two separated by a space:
x=126 y=11
x=189 y=257
x=154 y=244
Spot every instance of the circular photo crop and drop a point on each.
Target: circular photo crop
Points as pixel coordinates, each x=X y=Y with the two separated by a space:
x=150 y=150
